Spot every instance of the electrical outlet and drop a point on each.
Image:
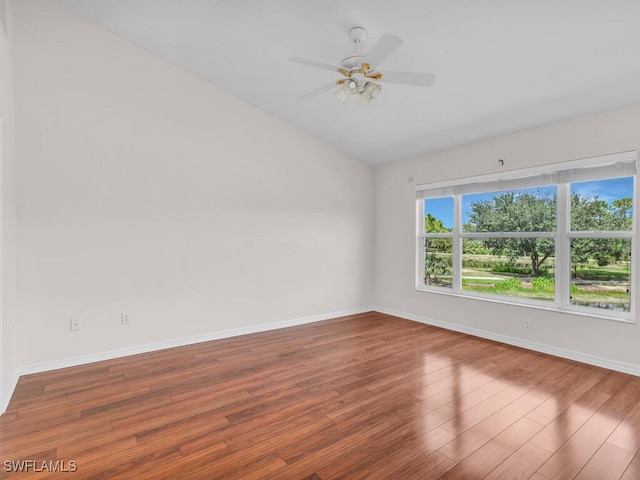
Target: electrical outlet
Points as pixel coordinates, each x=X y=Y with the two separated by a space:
x=527 y=324
x=126 y=318
x=74 y=324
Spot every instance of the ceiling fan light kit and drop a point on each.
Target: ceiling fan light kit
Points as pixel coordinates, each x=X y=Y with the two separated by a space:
x=341 y=94
x=353 y=86
x=369 y=92
x=359 y=69
x=363 y=99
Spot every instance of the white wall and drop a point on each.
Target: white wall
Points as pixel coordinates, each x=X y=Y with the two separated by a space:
x=616 y=131
x=143 y=189
x=8 y=217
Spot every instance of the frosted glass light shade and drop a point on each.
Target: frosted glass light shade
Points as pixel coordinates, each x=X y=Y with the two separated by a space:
x=372 y=89
x=341 y=94
x=363 y=99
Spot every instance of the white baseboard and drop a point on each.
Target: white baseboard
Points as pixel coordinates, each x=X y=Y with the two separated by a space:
x=178 y=342
x=537 y=347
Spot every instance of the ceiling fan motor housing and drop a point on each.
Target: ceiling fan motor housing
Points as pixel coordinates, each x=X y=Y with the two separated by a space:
x=352 y=62
x=357 y=35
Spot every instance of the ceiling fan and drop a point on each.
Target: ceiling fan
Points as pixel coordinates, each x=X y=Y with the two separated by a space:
x=360 y=69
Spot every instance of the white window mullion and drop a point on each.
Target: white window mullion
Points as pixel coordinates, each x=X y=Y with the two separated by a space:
x=599 y=234
x=563 y=251
x=457 y=244
x=508 y=235
x=634 y=246
x=420 y=250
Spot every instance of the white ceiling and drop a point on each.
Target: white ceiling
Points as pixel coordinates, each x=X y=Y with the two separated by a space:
x=501 y=65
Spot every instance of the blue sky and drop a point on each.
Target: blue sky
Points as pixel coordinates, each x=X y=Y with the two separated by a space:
x=607 y=190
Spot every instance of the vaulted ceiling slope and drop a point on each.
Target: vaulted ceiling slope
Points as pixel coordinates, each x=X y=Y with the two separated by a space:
x=501 y=66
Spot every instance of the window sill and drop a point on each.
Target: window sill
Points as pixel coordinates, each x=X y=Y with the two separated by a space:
x=551 y=307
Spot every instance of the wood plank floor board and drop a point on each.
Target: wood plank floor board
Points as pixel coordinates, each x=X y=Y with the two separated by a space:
x=339 y=439
x=488 y=457
x=420 y=467
x=633 y=470
x=564 y=425
x=454 y=377
x=408 y=452
x=177 y=432
x=365 y=444
x=352 y=452
x=76 y=432
x=290 y=429
x=559 y=430
x=368 y=405
x=164 y=415
x=627 y=433
x=609 y=463
x=492 y=401
x=366 y=396
x=268 y=411
x=220 y=386
x=133 y=465
x=576 y=452
x=299 y=372
x=575 y=384
x=455 y=393
x=538 y=476
x=520 y=465
x=475 y=437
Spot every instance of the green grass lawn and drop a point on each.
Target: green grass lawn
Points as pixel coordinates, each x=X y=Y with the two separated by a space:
x=543 y=288
x=604 y=287
x=603 y=274
x=513 y=287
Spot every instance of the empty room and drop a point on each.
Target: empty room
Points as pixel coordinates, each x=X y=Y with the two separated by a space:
x=313 y=240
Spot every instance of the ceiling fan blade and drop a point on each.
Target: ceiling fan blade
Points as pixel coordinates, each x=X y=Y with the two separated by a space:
x=318 y=91
x=385 y=46
x=409 y=78
x=314 y=63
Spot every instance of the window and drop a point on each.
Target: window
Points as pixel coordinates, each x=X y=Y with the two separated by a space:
x=560 y=236
x=437 y=241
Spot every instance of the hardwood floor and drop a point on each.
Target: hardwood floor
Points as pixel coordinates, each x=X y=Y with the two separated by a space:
x=368 y=396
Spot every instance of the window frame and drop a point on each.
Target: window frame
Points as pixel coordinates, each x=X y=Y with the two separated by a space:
x=562 y=175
